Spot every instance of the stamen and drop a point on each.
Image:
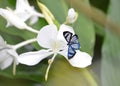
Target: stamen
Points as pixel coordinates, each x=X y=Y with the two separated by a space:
x=14 y=68
x=57 y=46
x=50 y=61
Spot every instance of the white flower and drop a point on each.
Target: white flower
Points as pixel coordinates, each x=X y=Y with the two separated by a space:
x=54 y=43
x=72 y=16
x=13 y=19
x=24 y=11
x=7 y=55
x=20 y=15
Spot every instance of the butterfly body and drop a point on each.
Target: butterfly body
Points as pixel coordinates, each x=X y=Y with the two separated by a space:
x=72 y=42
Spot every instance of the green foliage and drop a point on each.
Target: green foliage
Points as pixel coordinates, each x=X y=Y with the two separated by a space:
x=111 y=56
x=66 y=75
x=85 y=30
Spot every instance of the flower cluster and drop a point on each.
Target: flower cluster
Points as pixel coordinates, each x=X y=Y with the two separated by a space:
x=54 y=40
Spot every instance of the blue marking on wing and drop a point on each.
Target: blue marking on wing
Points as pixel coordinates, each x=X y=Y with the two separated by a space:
x=75 y=46
x=71 y=52
x=73 y=43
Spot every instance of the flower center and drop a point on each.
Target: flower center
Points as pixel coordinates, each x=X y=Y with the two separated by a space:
x=57 y=46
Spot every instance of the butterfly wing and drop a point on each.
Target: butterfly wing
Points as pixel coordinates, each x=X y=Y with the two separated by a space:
x=74 y=42
x=71 y=52
x=67 y=35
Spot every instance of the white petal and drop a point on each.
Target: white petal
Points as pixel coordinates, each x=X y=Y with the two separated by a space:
x=62 y=29
x=33 y=58
x=64 y=53
x=2 y=43
x=47 y=35
x=71 y=13
x=14 y=54
x=35 y=13
x=6 y=57
x=12 y=18
x=21 y=10
x=3 y=55
x=26 y=2
x=33 y=20
x=38 y=14
x=21 y=4
x=23 y=15
x=24 y=11
x=6 y=63
x=24 y=6
x=81 y=59
x=72 y=16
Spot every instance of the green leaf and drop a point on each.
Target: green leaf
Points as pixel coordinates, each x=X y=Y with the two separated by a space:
x=35 y=73
x=84 y=28
x=63 y=74
x=111 y=47
x=5 y=3
x=59 y=9
x=9 y=38
x=15 y=82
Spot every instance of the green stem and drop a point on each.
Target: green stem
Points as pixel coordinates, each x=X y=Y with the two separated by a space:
x=17 y=46
x=31 y=29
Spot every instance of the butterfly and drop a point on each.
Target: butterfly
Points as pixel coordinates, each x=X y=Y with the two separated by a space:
x=72 y=42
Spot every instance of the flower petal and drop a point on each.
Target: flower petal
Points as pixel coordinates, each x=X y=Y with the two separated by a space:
x=35 y=13
x=4 y=55
x=72 y=16
x=33 y=20
x=33 y=58
x=25 y=11
x=71 y=13
x=14 y=55
x=81 y=59
x=62 y=29
x=22 y=4
x=12 y=18
x=2 y=43
x=64 y=52
x=22 y=11
x=47 y=35
x=6 y=63
x=23 y=15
